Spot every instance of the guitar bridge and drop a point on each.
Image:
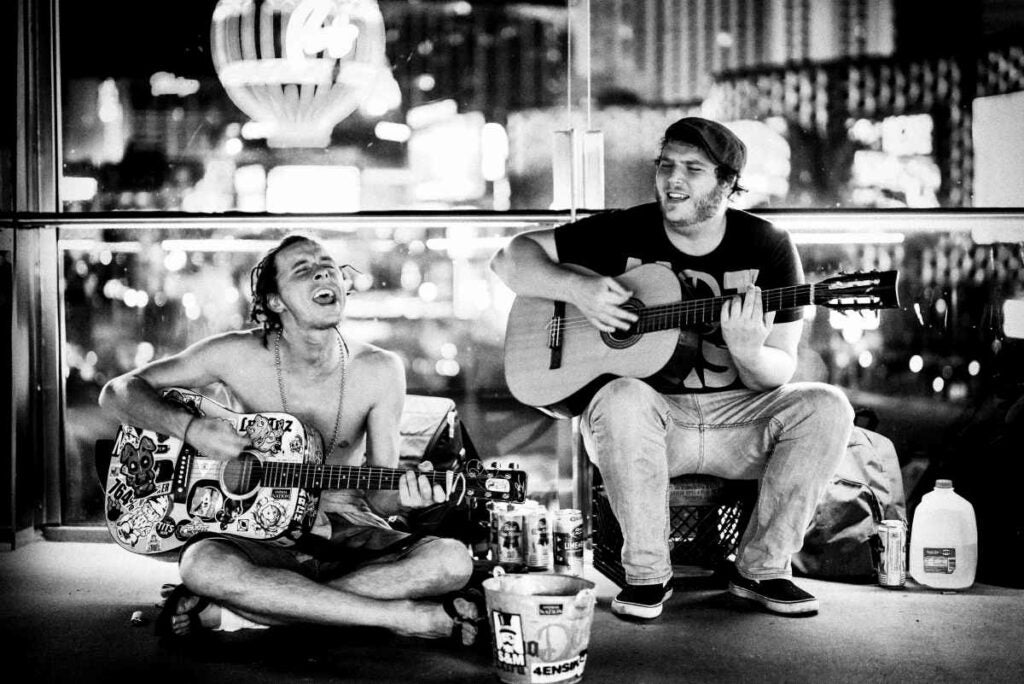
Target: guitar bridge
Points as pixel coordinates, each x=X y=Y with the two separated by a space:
x=555 y=336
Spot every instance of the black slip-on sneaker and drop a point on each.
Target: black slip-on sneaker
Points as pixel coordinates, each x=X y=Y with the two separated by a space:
x=641 y=600
x=776 y=595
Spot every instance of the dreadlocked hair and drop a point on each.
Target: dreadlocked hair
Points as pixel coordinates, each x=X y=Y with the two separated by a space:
x=263 y=284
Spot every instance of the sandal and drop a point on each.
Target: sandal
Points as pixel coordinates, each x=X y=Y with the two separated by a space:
x=459 y=633
x=165 y=620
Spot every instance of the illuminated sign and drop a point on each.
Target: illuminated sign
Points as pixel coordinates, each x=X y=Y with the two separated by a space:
x=163 y=83
x=298 y=67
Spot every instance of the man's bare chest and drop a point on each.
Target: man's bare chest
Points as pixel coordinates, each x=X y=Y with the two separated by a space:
x=324 y=401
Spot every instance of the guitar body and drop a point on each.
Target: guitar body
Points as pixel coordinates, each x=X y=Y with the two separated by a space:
x=160 y=492
x=588 y=356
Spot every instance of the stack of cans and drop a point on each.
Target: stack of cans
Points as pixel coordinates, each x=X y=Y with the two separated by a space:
x=521 y=539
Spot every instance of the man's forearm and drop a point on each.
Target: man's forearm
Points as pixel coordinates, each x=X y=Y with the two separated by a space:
x=134 y=401
x=526 y=268
x=765 y=370
x=385 y=503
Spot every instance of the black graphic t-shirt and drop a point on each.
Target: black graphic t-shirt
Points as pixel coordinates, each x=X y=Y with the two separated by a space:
x=752 y=251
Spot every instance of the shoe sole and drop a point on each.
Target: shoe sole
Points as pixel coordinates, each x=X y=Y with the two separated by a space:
x=640 y=610
x=807 y=607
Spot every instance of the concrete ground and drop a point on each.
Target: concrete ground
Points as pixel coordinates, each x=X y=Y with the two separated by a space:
x=65 y=610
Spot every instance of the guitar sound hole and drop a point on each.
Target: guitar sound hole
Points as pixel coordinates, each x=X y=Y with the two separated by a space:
x=623 y=335
x=241 y=476
x=620 y=339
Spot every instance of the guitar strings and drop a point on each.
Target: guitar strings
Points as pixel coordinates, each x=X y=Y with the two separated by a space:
x=712 y=305
x=282 y=472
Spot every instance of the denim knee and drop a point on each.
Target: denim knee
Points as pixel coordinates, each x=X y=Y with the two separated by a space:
x=625 y=403
x=827 y=403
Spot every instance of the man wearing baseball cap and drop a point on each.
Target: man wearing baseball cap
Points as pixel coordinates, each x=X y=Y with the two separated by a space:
x=723 y=405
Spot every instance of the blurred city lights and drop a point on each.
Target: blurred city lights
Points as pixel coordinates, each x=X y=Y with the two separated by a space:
x=916 y=363
x=493 y=151
x=144 y=354
x=74 y=189
x=447 y=367
x=973 y=368
x=232 y=146
x=865 y=359
x=175 y=260
x=427 y=292
x=394 y=132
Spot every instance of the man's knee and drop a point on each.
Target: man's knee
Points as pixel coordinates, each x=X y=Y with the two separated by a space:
x=826 y=403
x=207 y=566
x=448 y=561
x=625 y=402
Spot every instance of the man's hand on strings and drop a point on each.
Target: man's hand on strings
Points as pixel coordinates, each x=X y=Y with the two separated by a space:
x=600 y=299
x=745 y=326
x=416 y=491
x=215 y=438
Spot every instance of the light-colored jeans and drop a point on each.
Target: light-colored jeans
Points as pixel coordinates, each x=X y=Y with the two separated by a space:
x=790 y=438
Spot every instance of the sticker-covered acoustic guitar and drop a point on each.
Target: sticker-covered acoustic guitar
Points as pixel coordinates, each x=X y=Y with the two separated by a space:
x=160 y=491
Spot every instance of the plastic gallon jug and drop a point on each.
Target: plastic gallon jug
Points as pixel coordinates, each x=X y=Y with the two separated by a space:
x=944 y=539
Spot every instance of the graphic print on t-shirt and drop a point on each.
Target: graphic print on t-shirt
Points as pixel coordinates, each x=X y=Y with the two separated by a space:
x=702 y=361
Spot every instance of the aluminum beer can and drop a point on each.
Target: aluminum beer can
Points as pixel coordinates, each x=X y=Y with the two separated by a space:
x=892 y=561
x=568 y=547
x=538 y=538
x=509 y=537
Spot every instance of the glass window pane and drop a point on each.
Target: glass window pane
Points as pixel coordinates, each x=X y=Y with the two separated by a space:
x=440 y=105
x=339 y=106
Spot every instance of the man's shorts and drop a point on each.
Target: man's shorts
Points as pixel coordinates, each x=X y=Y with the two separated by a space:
x=321 y=560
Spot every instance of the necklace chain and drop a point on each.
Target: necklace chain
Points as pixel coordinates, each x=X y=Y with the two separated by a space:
x=343 y=349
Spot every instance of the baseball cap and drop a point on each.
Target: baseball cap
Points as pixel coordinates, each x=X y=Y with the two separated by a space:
x=721 y=145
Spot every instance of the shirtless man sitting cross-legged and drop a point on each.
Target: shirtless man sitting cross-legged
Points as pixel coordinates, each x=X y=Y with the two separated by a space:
x=353 y=568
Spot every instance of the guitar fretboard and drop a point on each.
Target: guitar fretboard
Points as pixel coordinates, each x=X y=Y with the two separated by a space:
x=695 y=311
x=291 y=475
x=279 y=474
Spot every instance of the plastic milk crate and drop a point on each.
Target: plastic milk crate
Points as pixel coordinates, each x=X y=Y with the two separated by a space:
x=707 y=516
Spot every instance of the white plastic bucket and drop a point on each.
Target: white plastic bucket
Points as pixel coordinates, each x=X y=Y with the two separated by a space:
x=540 y=626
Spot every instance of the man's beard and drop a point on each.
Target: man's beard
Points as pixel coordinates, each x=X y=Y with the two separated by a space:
x=704 y=206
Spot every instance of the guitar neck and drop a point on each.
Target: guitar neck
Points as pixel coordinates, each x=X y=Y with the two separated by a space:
x=288 y=474
x=691 y=312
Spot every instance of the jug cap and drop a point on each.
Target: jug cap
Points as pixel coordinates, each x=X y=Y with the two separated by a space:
x=943 y=484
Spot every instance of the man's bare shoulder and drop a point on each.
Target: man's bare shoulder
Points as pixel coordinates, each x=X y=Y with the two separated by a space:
x=374 y=358
x=229 y=345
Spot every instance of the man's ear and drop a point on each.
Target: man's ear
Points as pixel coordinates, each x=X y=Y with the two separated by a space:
x=274 y=303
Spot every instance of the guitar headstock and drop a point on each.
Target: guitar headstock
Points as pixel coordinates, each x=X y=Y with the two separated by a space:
x=865 y=291
x=508 y=485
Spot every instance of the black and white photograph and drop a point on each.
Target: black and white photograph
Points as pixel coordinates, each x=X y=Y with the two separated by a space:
x=531 y=342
